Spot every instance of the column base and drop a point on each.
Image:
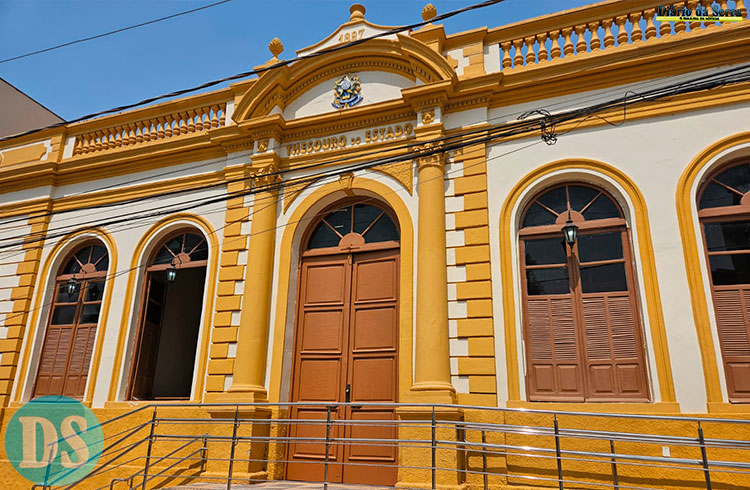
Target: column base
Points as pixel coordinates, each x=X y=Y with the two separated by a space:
x=437 y=393
x=239 y=394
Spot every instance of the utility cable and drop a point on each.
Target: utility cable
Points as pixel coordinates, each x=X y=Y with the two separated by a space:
x=490 y=134
x=116 y=31
x=257 y=71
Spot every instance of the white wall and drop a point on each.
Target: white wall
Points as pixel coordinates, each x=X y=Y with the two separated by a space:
x=653 y=153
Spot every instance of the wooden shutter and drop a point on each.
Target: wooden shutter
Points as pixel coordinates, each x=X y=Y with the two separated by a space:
x=732 y=306
x=554 y=360
x=147 y=342
x=614 y=360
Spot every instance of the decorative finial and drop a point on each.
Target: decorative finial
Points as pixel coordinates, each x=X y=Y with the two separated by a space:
x=428 y=12
x=275 y=47
x=357 y=12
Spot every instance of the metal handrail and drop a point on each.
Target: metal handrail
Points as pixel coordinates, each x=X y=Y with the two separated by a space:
x=470 y=441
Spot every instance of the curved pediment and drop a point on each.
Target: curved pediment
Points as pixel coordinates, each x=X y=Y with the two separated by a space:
x=305 y=88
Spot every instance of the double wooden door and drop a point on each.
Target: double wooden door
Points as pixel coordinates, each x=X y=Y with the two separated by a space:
x=346 y=350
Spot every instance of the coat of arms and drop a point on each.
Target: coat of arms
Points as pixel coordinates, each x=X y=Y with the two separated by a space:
x=346 y=92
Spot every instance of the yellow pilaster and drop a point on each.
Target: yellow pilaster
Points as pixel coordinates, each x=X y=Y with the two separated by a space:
x=432 y=377
x=252 y=343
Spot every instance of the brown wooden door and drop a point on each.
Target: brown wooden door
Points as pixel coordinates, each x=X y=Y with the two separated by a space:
x=346 y=348
x=583 y=338
x=147 y=342
x=69 y=340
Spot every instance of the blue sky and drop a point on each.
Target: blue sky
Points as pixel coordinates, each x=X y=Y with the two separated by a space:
x=188 y=50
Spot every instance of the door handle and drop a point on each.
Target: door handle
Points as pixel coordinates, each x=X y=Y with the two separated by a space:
x=348 y=393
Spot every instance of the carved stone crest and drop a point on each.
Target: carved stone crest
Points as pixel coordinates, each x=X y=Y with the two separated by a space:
x=346 y=92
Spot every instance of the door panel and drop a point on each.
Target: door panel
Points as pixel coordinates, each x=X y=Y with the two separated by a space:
x=69 y=342
x=732 y=307
x=147 y=342
x=322 y=322
x=346 y=334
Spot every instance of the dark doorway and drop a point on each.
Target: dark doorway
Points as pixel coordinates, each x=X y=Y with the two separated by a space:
x=167 y=337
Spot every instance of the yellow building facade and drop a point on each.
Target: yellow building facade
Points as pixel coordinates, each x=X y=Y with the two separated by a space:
x=383 y=223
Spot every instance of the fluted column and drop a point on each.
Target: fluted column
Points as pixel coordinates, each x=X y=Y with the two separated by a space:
x=432 y=377
x=248 y=378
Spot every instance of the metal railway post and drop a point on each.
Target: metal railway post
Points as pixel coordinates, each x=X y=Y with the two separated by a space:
x=434 y=449
x=484 y=461
x=615 y=478
x=558 y=454
x=234 y=445
x=148 y=450
x=704 y=457
x=329 y=409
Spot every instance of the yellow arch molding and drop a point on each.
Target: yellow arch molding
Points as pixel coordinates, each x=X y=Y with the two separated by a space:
x=691 y=250
x=101 y=329
x=205 y=227
x=646 y=251
x=406 y=279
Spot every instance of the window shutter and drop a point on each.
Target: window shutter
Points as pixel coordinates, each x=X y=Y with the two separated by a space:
x=552 y=347
x=614 y=360
x=80 y=359
x=732 y=308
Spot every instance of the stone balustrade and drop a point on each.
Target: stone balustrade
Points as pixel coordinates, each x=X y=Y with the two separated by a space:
x=600 y=27
x=152 y=129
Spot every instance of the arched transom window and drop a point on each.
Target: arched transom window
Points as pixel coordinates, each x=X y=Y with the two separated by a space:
x=353 y=225
x=724 y=212
x=69 y=338
x=581 y=321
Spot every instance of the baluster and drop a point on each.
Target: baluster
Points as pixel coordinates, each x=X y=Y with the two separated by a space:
x=594 y=43
x=581 y=42
x=530 y=55
x=160 y=131
x=131 y=134
x=567 y=43
x=723 y=5
x=506 y=62
x=518 y=55
x=118 y=137
x=183 y=122
x=679 y=26
x=99 y=136
x=199 y=119
x=113 y=137
x=636 y=34
x=694 y=25
x=542 y=55
x=223 y=118
x=78 y=146
x=740 y=5
x=622 y=33
x=215 y=116
x=152 y=124
x=146 y=131
x=83 y=144
x=139 y=132
x=609 y=38
x=190 y=115
x=665 y=28
x=168 y=126
x=555 y=51
x=650 y=26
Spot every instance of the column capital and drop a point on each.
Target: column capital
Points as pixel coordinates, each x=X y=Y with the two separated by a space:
x=429 y=155
x=265 y=169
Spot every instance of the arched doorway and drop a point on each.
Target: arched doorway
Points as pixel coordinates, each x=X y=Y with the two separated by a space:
x=69 y=338
x=167 y=338
x=582 y=330
x=346 y=342
x=724 y=212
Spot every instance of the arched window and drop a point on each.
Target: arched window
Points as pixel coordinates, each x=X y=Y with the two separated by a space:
x=69 y=338
x=724 y=212
x=582 y=332
x=167 y=338
x=353 y=225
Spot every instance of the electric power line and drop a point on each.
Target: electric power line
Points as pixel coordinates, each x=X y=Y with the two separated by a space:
x=116 y=31
x=246 y=74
